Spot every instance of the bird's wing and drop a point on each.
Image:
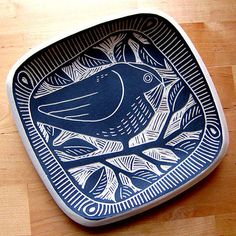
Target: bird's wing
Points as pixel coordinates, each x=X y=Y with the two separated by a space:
x=94 y=99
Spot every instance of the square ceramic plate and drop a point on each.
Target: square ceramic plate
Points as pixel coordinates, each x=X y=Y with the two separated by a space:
x=119 y=117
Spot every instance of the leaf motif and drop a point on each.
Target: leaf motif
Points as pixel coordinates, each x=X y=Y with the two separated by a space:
x=151 y=58
x=178 y=96
x=52 y=83
x=144 y=51
x=125 y=180
x=74 y=149
x=135 y=48
x=46 y=130
x=141 y=38
x=186 y=146
x=82 y=173
x=143 y=178
x=119 y=52
x=71 y=146
x=124 y=192
x=192 y=119
x=123 y=52
x=194 y=135
x=111 y=186
x=108 y=46
x=175 y=121
x=103 y=145
x=76 y=70
x=97 y=182
x=101 y=182
x=133 y=163
x=45 y=89
x=127 y=189
x=63 y=137
x=59 y=78
x=162 y=154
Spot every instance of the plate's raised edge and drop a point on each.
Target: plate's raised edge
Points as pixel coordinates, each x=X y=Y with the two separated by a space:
x=60 y=203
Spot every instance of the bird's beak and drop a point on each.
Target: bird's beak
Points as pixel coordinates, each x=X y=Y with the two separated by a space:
x=154 y=96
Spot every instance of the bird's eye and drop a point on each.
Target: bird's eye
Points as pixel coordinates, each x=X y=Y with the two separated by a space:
x=148 y=78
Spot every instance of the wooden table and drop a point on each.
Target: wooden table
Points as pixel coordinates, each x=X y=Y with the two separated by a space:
x=26 y=208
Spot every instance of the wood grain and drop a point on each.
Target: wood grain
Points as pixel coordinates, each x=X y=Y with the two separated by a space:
x=26 y=208
x=14 y=203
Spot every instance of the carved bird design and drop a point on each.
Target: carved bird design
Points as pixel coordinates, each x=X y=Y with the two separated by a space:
x=116 y=103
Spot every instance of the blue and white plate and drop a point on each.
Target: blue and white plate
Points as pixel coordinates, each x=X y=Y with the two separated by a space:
x=119 y=117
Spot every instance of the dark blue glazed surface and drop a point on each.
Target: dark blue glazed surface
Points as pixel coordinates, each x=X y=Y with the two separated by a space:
x=118 y=115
